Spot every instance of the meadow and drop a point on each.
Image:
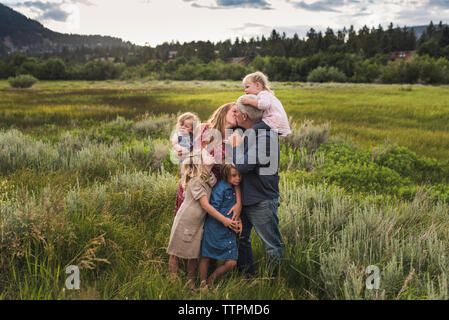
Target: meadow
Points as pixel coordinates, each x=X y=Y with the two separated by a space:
x=86 y=179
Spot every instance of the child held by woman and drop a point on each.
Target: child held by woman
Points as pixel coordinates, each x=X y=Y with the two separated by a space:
x=182 y=140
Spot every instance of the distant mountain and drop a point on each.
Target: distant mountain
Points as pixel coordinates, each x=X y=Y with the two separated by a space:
x=418 y=30
x=19 y=34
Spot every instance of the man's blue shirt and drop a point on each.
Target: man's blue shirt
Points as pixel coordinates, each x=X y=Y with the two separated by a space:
x=260 y=179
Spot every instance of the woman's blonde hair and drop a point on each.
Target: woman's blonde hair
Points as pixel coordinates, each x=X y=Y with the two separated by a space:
x=187 y=115
x=260 y=78
x=194 y=167
x=218 y=119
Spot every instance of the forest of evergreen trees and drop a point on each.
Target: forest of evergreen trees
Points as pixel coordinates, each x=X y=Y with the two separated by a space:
x=343 y=56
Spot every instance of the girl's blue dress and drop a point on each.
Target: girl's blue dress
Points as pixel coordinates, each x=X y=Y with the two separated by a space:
x=218 y=241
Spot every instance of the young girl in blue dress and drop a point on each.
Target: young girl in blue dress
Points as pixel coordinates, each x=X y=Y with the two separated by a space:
x=220 y=242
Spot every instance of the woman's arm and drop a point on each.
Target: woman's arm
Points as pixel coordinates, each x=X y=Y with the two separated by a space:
x=204 y=202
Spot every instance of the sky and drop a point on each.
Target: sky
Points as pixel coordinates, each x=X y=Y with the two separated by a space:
x=152 y=22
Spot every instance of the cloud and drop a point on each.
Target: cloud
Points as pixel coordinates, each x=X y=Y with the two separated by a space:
x=47 y=10
x=253 y=30
x=441 y=4
x=230 y=4
x=373 y=13
x=50 y=12
x=321 y=5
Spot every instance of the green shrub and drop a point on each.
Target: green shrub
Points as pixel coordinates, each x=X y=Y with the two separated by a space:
x=155 y=126
x=354 y=170
x=342 y=153
x=307 y=136
x=22 y=81
x=399 y=159
x=407 y=164
x=364 y=177
x=365 y=71
x=390 y=73
x=323 y=74
x=21 y=151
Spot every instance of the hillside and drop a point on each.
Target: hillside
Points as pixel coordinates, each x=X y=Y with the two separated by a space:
x=19 y=34
x=418 y=30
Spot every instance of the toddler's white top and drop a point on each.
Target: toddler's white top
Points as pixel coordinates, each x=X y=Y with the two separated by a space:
x=273 y=113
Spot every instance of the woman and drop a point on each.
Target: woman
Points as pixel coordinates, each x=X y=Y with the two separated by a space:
x=222 y=119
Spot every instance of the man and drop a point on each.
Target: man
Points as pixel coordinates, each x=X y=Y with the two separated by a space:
x=256 y=157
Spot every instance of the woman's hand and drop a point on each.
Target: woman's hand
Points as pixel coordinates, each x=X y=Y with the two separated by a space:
x=229 y=223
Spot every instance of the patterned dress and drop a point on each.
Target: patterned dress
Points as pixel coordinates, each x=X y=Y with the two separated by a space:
x=215 y=169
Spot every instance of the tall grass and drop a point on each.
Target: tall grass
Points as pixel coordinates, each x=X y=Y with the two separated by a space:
x=116 y=232
x=77 y=154
x=332 y=239
x=85 y=179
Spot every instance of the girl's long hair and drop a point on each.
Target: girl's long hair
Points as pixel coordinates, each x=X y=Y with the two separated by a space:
x=194 y=169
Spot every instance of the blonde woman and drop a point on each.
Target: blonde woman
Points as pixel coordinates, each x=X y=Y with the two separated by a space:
x=222 y=119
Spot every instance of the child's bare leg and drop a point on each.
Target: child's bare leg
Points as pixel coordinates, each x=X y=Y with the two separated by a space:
x=221 y=270
x=173 y=266
x=204 y=265
x=191 y=270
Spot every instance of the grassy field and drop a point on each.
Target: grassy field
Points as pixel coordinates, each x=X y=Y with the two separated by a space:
x=85 y=179
x=415 y=116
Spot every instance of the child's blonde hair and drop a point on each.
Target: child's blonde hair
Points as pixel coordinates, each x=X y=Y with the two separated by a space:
x=260 y=78
x=194 y=167
x=187 y=115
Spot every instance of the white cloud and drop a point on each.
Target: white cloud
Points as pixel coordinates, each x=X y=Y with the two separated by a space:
x=58 y=15
x=156 y=21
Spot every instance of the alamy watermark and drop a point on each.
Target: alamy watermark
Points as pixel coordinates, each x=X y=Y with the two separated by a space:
x=252 y=147
x=373 y=280
x=73 y=280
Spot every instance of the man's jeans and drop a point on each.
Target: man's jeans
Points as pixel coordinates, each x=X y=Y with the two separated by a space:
x=263 y=216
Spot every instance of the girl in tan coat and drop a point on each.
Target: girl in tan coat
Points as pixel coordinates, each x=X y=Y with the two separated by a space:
x=187 y=230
